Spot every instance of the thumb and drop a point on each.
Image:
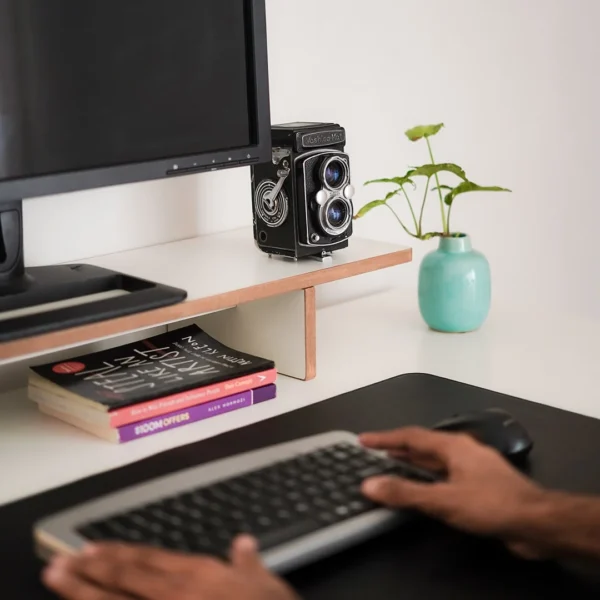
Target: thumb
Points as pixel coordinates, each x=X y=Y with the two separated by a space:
x=244 y=553
x=397 y=492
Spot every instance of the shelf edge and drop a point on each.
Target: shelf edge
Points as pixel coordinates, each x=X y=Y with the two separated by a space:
x=67 y=338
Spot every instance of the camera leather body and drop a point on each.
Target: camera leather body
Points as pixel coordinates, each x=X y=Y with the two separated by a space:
x=302 y=199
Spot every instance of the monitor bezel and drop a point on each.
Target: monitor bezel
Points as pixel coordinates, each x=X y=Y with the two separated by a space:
x=72 y=181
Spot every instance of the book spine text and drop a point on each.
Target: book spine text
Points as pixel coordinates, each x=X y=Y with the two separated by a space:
x=185 y=400
x=196 y=413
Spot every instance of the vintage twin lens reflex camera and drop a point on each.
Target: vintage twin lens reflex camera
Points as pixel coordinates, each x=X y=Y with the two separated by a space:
x=303 y=197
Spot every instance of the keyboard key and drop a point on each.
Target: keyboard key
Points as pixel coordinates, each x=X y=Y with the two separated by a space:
x=327 y=517
x=157 y=528
x=276 y=502
x=236 y=488
x=346 y=480
x=175 y=536
x=322 y=503
x=287 y=534
x=198 y=529
x=265 y=522
x=256 y=482
x=199 y=500
x=200 y=544
x=325 y=474
x=92 y=532
x=337 y=497
x=341 y=456
x=370 y=471
x=138 y=520
x=215 y=523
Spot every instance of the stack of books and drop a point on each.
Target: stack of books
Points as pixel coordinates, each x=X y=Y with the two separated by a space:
x=153 y=385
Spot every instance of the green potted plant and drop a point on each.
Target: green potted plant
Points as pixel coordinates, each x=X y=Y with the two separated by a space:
x=454 y=280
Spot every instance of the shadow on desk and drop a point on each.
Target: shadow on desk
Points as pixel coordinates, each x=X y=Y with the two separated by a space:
x=421 y=560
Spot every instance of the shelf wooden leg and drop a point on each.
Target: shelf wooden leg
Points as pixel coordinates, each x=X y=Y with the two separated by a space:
x=281 y=328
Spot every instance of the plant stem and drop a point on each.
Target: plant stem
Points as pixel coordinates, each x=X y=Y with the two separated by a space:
x=401 y=223
x=448 y=218
x=437 y=182
x=420 y=227
x=412 y=212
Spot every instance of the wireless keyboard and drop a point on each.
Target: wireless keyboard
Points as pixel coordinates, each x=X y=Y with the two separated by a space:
x=301 y=500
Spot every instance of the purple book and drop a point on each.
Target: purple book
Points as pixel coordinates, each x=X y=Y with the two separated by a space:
x=127 y=433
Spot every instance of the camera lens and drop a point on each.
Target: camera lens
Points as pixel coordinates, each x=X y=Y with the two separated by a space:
x=335 y=216
x=335 y=173
x=337 y=213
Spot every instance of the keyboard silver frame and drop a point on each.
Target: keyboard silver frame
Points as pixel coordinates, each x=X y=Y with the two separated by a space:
x=57 y=533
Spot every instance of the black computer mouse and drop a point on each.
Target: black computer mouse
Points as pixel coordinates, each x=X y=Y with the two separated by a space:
x=493 y=427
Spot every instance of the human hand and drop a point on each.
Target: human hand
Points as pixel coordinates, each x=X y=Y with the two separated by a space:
x=480 y=493
x=121 y=572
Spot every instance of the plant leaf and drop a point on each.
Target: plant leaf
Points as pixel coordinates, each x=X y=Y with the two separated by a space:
x=397 y=180
x=441 y=187
x=391 y=195
x=421 y=131
x=469 y=186
x=368 y=208
x=431 y=170
x=374 y=204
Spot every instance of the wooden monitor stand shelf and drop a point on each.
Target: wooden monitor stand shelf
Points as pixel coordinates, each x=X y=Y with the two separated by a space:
x=238 y=294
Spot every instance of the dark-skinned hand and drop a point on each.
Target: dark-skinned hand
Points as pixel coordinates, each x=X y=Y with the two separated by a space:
x=480 y=493
x=122 y=572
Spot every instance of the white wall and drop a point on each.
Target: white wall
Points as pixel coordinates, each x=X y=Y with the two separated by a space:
x=515 y=81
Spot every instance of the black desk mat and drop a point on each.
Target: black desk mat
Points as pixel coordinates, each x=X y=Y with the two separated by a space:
x=422 y=561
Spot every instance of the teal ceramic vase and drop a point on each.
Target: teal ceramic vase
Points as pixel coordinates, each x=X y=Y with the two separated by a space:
x=454 y=286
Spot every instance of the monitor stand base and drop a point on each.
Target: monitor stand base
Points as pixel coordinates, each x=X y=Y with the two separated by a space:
x=41 y=300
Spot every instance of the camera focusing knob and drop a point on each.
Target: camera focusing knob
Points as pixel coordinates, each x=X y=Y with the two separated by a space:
x=314 y=238
x=283 y=175
x=349 y=191
x=322 y=197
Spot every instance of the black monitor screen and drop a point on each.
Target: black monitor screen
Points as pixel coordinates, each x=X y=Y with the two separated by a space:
x=88 y=83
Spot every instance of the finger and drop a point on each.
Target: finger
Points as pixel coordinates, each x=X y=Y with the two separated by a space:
x=412 y=439
x=150 y=557
x=124 y=577
x=419 y=460
x=70 y=586
x=402 y=493
x=244 y=553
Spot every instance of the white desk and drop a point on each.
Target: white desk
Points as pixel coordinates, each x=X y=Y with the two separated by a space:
x=548 y=358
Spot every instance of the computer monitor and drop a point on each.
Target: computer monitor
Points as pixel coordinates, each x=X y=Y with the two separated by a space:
x=102 y=93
